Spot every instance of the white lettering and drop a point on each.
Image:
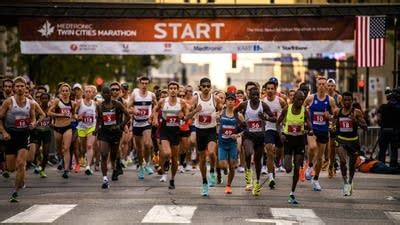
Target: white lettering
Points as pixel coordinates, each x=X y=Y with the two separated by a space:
x=159 y=27
x=175 y=29
x=187 y=32
x=218 y=27
x=202 y=29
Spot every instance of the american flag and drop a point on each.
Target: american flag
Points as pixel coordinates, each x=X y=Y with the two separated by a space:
x=370 y=41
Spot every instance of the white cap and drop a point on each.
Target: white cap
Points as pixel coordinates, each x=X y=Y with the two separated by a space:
x=331 y=81
x=77 y=85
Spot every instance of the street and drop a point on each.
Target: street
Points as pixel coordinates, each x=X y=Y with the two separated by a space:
x=80 y=200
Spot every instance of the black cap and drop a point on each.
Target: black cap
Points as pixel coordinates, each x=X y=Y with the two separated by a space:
x=230 y=95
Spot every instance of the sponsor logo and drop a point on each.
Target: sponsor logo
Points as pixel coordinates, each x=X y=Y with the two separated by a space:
x=250 y=48
x=167 y=47
x=126 y=48
x=73 y=47
x=46 y=30
x=207 y=48
x=292 y=48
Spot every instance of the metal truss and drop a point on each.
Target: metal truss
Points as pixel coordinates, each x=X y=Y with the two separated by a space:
x=115 y=10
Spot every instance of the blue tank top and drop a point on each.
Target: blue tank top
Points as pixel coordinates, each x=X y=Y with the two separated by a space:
x=228 y=126
x=317 y=110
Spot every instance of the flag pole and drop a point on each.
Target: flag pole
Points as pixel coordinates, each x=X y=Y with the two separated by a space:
x=367 y=90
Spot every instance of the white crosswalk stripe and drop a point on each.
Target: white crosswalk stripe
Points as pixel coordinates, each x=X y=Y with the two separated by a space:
x=304 y=216
x=394 y=217
x=40 y=214
x=169 y=214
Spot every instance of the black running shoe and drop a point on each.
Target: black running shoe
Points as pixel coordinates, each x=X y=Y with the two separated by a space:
x=14 y=197
x=119 y=169
x=114 y=176
x=105 y=184
x=171 y=184
x=65 y=175
x=6 y=174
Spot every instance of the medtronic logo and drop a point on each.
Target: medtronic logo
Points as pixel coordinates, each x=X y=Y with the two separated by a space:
x=207 y=48
x=250 y=48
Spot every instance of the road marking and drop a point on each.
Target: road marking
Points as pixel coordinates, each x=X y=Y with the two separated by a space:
x=393 y=216
x=40 y=214
x=275 y=221
x=306 y=216
x=169 y=214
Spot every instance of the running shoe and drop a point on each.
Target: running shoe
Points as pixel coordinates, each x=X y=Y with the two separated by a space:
x=65 y=174
x=6 y=174
x=240 y=169
x=264 y=170
x=281 y=169
x=171 y=184
x=148 y=170
x=164 y=178
x=129 y=161
x=256 y=188
x=248 y=176
x=105 y=184
x=42 y=174
x=181 y=169
x=347 y=189
x=213 y=179
x=141 y=173
x=308 y=173
x=14 y=197
x=114 y=176
x=37 y=169
x=301 y=174
x=315 y=185
x=188 y=168
x=228 y=189
x=204 y=189
x=219 y=179
x=292 y=200
x=119 y=168
x=271 y=183
x=88 y=171
x=77 y=168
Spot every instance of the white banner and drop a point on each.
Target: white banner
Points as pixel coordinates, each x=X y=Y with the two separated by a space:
x=170 y=48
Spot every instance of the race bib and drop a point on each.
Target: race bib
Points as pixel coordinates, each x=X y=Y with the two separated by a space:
x=294 y=129
x=44 y=123
x=254 y=125
x=21 y=122
x=227 y=131
x=345 y=124
x=142 y=113
x=66 y=111
x=88 y=119
x=205 y=119
x=319 y=119
x=172 y=120
x=109 y=118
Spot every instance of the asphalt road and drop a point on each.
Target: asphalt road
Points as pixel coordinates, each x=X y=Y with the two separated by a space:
x=80 y=200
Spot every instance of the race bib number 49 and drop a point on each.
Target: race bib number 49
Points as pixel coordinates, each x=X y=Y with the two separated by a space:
x=227 y=131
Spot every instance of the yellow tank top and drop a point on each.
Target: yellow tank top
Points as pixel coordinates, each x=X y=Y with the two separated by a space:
x=294 y=124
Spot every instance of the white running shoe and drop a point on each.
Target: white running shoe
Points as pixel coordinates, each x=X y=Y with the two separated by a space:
x=281 y=169
x=315 y=185
x=347 y=190
x=240 y=169
x=308 y=173
x=164 y=178
x=188 y=168
x=181 y=169
x=264 y=170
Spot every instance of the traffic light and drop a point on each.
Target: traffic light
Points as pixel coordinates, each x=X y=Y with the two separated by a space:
x=234 y=59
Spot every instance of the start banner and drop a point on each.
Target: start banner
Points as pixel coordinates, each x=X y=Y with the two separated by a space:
x=176 y=36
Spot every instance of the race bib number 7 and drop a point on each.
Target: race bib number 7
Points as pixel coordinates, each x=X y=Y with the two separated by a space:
x=205 y=119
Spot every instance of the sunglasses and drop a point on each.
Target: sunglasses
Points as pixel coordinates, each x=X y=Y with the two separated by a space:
x=115 y=89
x=206 y=86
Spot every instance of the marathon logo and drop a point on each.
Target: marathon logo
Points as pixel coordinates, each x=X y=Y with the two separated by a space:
x=207 y=48
x=250 y=48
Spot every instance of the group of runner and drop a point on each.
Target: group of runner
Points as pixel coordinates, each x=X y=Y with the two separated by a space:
x=259 y=126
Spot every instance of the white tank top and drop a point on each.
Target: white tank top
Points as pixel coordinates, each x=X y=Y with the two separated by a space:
x=206 y=118
x=276 y=109
x=18 y=118
x=88 y=114
x=170 y=113
x=143 y=106
x=253 y=122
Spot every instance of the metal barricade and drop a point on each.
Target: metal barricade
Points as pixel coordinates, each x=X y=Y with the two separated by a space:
x=369 y=140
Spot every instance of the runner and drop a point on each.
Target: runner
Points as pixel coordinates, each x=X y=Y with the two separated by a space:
x=272 y=139
x=294 y=117
x=76 y=96
x=110 y=125
x=254 y=112
x=320 y=105
x=61 y=110
x=143 y=101
x=227 y=136
x=206 y=137
x=85 y=111
x=184 y=133
x=348 y=120
x=19 y=117
x=173 y=109
x=6 y=93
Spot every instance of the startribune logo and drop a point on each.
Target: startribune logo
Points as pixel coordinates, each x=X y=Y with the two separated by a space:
x=46 y=30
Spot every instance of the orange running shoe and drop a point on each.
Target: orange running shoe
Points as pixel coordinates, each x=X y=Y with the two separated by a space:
x=302 y=175
x=77 y=168
x=228 y=190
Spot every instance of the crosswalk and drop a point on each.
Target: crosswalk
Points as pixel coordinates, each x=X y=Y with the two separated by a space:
x=177 y=214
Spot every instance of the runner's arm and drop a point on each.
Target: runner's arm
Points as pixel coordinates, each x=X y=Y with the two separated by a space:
x=197 y=109
x=32 y=113
x=271 y=117
x=360 y=119
x=3 y=110
x=282 y=116
x=127 y=117
x=307 y=121
x=51 y=112
x=40 y=112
